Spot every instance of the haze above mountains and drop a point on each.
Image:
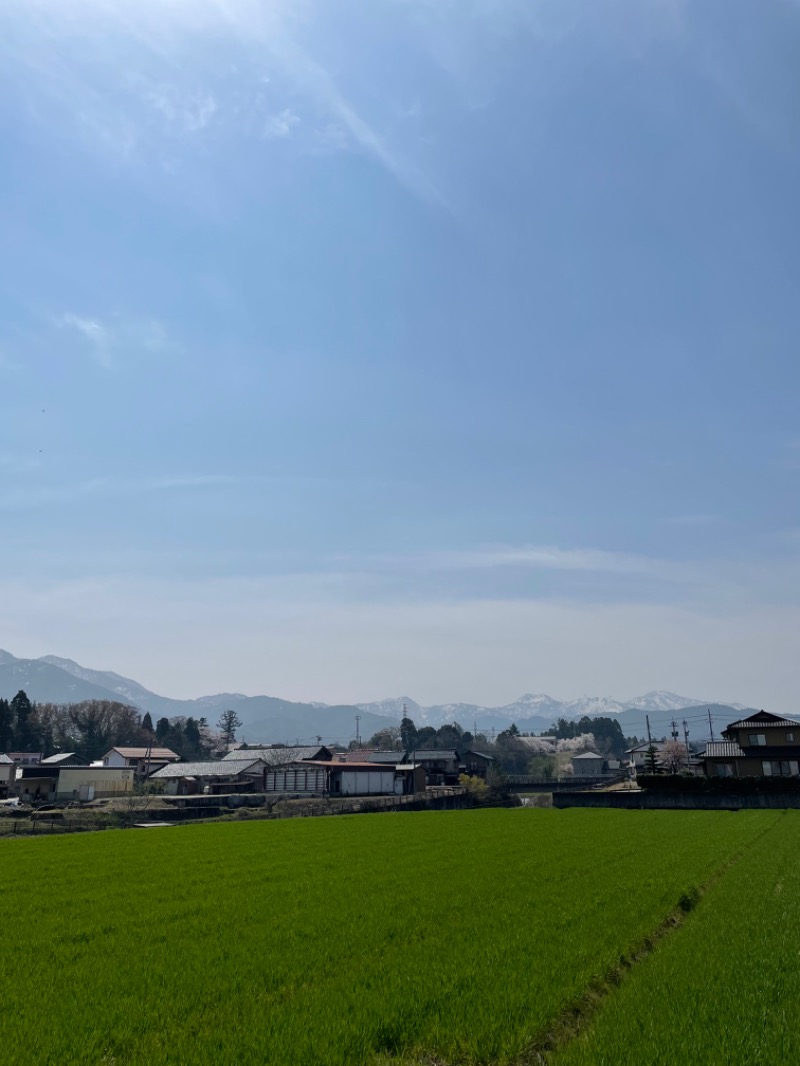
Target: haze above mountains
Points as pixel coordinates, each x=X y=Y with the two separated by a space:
x=51 y=679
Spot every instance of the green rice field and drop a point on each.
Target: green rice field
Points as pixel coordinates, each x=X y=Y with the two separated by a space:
x=441 y=938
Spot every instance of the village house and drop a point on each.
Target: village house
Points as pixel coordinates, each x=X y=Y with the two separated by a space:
x=8 y=773
x=224 y=776
x=636 y=758
x=385 y=758
x=143 y=760
x=335 y=777
x=65 y=758
x=56 y=782
x=589 y=764
x=476 y=763
x=281 y=754
x=25 y=758
x=762 y=745
x=441 y=765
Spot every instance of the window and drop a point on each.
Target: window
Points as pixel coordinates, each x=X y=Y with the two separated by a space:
x=724 y=769
x=757 y=740
x=790 y=737
x=780 y=767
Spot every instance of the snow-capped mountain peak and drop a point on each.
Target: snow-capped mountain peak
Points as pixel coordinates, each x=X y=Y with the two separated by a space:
x=660 y=700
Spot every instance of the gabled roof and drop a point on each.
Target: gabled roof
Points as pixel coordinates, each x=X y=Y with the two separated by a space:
x=479 y=755
x=4 y=759
x=280 y=756
x=218 y=768
x=64 y=757
x=156 y=754
x=426 y=754
x=763 y=719
x=390 y=758
x=722 y=750
x=587 y=755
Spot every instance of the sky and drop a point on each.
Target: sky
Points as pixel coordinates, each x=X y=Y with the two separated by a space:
x=445 y=348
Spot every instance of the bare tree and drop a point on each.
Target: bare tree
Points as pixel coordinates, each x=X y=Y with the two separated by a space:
x=674 y=756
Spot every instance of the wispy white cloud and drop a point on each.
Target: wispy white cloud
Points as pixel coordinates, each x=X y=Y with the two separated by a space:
x=548 y=557
x=48 y=495
x=280 y=125
x=189 y=113
x=317 y=84
x=188 y=68
x=93 y=331
x=106 y=338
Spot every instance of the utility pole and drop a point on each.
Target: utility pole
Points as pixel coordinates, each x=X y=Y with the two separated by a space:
x=358 y=730
x=710 y=724
x=649 y=735
x=686 y=737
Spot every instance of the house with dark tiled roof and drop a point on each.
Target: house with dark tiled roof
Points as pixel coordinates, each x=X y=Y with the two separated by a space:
x=281 y=754
x=144 y=760
x=762 y=745
x=441 y=765
x=215 y=777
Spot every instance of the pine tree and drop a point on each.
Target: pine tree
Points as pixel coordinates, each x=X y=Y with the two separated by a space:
x=147 y=723
x=229 y=722
x=651 y=760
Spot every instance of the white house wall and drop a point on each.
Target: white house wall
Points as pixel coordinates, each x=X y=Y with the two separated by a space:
x=372 y=783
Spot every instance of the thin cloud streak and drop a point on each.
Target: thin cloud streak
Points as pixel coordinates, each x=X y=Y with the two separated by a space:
x=120 y=333
x=47 y=495
x=72 y=60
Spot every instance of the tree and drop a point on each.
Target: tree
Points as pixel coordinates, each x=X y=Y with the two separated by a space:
x=21 y=711
x=541 y=766
x=385 y=739
x=229 y=722
x=651 y=765
x=102 y=724
x=6 y=725
x=162 y=730
x=408 y=733
x=147 y=723
x=674 y=756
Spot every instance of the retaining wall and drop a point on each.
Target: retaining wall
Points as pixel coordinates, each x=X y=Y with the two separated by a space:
x=682 y=801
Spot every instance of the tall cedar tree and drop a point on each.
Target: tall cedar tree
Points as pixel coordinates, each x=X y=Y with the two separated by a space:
x=6 y=725
x=21 y=712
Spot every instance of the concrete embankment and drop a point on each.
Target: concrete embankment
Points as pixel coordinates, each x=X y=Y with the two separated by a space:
x=677 y=801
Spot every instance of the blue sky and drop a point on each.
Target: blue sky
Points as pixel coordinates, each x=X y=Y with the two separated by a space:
x=424 y=346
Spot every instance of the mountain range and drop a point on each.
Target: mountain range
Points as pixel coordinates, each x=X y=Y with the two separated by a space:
x=267 y=719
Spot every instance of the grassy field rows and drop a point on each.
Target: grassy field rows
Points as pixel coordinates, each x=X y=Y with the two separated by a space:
x=724 y=988
x=341 y=941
